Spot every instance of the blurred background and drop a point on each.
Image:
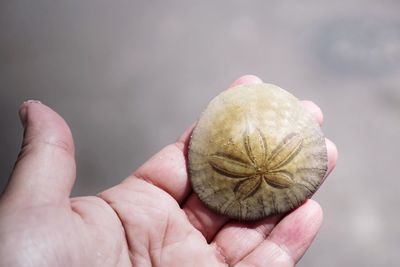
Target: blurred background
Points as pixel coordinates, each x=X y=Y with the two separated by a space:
x=130 y=76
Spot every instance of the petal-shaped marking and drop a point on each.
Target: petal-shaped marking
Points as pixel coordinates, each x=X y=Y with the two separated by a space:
x=285 y=151
x=279 y=179
x=255 y=144
x=230 y=167
x=247 y=188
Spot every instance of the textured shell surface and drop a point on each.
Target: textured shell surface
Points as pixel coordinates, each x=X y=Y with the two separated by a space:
x=256 y=151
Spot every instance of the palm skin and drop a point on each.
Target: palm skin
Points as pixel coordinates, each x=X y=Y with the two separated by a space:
x=150 y=219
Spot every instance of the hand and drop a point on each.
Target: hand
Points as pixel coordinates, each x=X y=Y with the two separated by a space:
x=150 y=219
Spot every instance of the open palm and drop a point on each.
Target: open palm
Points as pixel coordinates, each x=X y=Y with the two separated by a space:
x=152 y=218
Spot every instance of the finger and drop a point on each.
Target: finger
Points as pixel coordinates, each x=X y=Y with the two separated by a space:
x=289 y=240
x=330 y=146
x=45 y=168
x=167 y=169
x=315 y=111
x=202 y=218
x=235 y=240
x=332 y=155
x=246 y=79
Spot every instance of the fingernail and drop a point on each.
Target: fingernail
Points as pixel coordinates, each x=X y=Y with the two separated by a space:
x=23 y=110
x=247 y=79
x=32 y=101
x=22 y=114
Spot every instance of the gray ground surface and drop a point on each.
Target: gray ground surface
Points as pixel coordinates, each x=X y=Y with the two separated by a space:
x=129 y=77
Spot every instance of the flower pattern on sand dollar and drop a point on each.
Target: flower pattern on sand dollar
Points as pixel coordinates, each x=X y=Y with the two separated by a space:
x=262 y=164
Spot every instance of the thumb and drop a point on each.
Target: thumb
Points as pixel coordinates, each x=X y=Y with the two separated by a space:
x=45 y=169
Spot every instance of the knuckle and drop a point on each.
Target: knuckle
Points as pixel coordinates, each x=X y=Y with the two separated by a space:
x=53 y=144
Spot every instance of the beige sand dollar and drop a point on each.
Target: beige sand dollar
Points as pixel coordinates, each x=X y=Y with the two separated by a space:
x=256 y=151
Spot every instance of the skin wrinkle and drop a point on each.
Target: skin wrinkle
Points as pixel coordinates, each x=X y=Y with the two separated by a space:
x=220 y=254
x=132 y=179
x=79 y=219
x=29 y=148
x=40 y=147
x=281 y=257
x=167 y=229
x=209 y=223
x=153 y=259
x=94 y=200
x=81 y=216
x=138 y=256
x=263 y=234
x=236 y=232
x=142 y=176
x=145 y=191
x=55 y=142
x=158 y=258
x=163 y=246
x=283 y=253
x=264 y=230
x=110 y=204
x=196 y=222
x=153 y=182
x=126 y=222
x=142 y=172
x=188 y=236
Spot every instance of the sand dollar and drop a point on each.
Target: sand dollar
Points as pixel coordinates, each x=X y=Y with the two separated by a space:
x=256 y=151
